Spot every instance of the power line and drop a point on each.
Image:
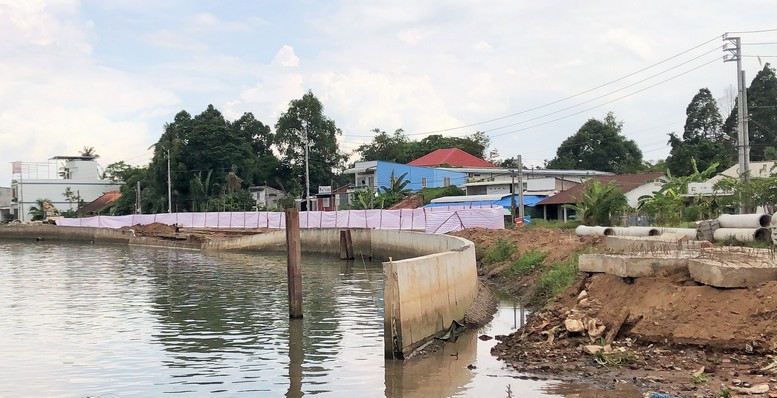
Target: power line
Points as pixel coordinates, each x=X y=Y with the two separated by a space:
x=753 y=31
x=565 y=98
x=608 y=102
x=606 y=94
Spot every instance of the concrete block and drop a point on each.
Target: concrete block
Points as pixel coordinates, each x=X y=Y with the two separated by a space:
x=629 y=266
x=633 y=244
x=731 y=275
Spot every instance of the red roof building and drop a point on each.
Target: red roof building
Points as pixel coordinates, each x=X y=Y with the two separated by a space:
x=453 y=157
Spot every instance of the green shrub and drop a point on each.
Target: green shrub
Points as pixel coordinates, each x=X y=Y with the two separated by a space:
x=527 y=263
x=498 y=252
x=692 y=213
x=555 y=280
x=433 y=193
x=556 y=224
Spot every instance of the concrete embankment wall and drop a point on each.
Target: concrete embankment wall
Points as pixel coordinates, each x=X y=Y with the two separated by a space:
x=424 y=293
x=54 y=233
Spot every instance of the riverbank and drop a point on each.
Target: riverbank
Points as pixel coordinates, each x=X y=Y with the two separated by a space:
x=664 y=333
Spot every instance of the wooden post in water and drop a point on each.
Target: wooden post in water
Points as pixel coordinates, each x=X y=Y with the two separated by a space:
x=293 y=269
x=346 y=245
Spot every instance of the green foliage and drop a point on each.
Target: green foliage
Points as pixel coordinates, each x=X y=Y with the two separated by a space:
x=118 y=171
x=762 y=109
x=43 y=208
x=399 y=148
x=614 y=358
x=599 y=203
x=303 y=122
x=498 y=252
x=554 y=224
x=396 y=191
x=598 y=145
x=701 y=378
x=758 y=191
x=439 y=192
x=557 y=278
x=530 y=261
x=665 y=207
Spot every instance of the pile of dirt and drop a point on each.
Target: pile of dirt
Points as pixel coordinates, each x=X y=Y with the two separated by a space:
x=557 y=244
x=663 y=332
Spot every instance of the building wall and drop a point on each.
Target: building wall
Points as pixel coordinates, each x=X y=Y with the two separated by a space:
x=419 y=177
x=643 y=190
x=29 y=191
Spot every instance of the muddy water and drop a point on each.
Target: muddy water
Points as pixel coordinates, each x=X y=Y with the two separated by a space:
x=117 y=321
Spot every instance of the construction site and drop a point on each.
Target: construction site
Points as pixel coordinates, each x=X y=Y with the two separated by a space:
x=686 y=312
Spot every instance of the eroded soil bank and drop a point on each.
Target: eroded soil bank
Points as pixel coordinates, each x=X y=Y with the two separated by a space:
x=664 y=333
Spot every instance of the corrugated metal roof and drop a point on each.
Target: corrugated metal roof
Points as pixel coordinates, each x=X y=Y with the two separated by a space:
x=627 y=182
x=450 y=156
x=100 y=203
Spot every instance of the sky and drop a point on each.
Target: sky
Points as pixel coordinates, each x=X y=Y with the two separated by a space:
x=110 y=74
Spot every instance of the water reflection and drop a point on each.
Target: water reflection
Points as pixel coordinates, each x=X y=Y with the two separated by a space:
x=91 y=320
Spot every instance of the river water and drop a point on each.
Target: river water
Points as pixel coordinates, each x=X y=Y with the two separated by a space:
x=119 y=321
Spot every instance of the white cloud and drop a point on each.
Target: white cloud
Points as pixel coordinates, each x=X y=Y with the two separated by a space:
x=285 y=57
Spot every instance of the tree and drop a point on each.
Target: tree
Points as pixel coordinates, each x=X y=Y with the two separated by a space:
x=117 y=171
x=396 y=191
x=666 y=206
x=598 y=145
x=304 y=122
x=599 y=203
x=758 y=191
x=395 y=147
x=88 y=151
x=703 y=141
x=43 y=209
x=762 y=109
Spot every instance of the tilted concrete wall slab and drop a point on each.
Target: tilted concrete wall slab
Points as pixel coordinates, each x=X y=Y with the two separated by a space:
x=424 y=295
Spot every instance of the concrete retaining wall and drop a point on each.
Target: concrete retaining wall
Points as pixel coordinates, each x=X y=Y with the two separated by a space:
x=53 y=233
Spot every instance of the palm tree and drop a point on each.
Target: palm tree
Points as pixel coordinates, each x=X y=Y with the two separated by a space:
x=39 y=212
x=599 y=203
x=89 y=151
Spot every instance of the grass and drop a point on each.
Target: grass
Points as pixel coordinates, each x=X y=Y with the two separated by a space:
x=557 y=278
x=530 y=261
x=555 y=224
x=498 y=252
x=701 y=378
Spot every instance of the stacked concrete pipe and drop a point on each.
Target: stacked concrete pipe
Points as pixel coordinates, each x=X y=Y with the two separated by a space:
x=744 y=227
x=584 y=230
x=636 y=231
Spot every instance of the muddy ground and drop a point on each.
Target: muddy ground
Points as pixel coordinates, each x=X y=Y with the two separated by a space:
x=664 y=334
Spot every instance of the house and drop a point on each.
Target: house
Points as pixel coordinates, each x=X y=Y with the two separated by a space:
x=100 y=205
x=64 y=180
x=372 y=175
x=634 y=186
x=505 y=184
x=266 y=197
x=451 y=157
x=5 y=204
x=757 y=170
x=501 y=176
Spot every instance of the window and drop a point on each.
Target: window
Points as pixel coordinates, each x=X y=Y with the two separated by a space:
x=325 y=201
x=447 y=180
x=423 y=182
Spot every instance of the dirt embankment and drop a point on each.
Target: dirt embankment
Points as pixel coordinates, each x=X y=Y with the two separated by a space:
x=663 y=333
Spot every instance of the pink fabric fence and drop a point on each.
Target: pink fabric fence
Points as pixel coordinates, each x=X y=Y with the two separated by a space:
x=432 y=220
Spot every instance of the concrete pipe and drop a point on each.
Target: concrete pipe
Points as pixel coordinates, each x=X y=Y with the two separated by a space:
x=636 y=231
x=743 y=234
x=744 y=220
x=584 y=230
x=689 y=232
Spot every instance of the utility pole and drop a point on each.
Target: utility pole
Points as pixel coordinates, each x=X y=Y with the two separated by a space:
x=520 y=188
x=512 y=196
x=307 y=169
x=169 y=186
x=734 y=53
x=137 y=199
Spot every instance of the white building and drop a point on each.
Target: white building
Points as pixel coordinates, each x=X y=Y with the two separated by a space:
x=78 y=175
x=5 y=203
